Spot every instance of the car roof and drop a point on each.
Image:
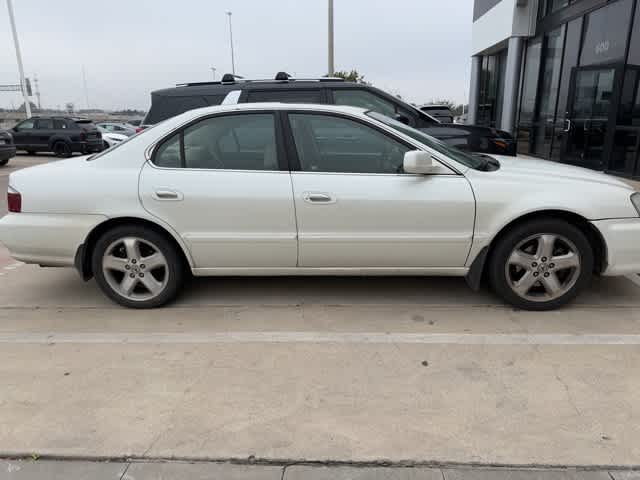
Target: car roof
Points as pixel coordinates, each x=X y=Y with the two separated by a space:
x=240 y=107
x=217 y=88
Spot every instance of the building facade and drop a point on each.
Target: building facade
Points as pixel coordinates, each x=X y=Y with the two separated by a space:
x=563 y=76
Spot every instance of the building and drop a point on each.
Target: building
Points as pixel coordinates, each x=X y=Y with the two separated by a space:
x=563 y=76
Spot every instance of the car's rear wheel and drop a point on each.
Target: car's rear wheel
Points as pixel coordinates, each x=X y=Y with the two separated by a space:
x=4 y=162
x=137 y=267
x=62 y=149
x=541 y=264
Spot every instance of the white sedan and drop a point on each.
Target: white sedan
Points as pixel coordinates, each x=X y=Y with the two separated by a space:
x=283 y=189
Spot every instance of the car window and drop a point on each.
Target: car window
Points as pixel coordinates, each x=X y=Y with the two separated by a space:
x=364 y=99
x=232 y=142
x=439 y=146
x=286 y=96
x=333 y=144
x=59 y=124
x=26 y=125
x=168 y=154
x=163 y=107
x=44 y=124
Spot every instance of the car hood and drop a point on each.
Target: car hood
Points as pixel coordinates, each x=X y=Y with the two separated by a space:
x=534 y=168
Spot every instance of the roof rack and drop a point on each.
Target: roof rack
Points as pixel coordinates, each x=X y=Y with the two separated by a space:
x=283 y=77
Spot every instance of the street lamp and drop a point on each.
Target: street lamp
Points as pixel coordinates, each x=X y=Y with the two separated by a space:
x=23 y=85
x=213 y=70
x=233 y=62
x=331 y=64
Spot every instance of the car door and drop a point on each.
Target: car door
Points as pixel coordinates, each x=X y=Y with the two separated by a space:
x=355 y=207
x=222 y=185
x=42 y=133
x=22 y=134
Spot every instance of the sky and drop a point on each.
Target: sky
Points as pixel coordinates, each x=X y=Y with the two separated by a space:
x=419 y=49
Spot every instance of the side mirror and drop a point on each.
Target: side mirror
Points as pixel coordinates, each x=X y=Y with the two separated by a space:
x=419 y=162
x=402 y=119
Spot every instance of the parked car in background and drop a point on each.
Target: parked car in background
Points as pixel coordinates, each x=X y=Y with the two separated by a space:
x=298 y=189
x=440 y=112
x=110 y=139
x=135 y=123
x=119 y=128
x=7 y=148
x=61 y=135
x=173 y=101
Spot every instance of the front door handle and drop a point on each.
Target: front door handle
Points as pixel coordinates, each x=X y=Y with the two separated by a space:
x=317 y=197
x=567 y=125
x=167 y=194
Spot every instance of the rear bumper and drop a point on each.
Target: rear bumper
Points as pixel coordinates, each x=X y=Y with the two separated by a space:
x=89 y=146
x=622 y=237
x=7 y=152
x=46 y=239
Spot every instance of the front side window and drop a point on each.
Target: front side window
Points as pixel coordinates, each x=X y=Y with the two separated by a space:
x=26 y=125
x=464 y=158
x=333 y=144
x=364 y=99
x=59 y=124
x=233 y=142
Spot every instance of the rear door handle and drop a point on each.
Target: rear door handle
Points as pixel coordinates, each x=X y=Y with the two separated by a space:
x=167 y=194
x=317 y=197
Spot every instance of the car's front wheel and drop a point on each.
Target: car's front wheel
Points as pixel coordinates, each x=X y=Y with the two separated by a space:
x=541 y=265
x=137 y=267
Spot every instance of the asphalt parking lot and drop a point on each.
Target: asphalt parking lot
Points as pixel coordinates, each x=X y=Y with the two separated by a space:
x=414 y=370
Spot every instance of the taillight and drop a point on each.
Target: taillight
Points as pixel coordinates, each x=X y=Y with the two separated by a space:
x=139 y=129
x=14 y=200
x=83 y=136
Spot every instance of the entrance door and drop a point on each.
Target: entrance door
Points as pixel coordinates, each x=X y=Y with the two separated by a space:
x=591 y=116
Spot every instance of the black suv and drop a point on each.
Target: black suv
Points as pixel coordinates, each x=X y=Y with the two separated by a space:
x=170 y=102
x=7 y=148
x=60 y=135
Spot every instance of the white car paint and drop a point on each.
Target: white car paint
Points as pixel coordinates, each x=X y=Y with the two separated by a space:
x=112 y=139
x=374 y=224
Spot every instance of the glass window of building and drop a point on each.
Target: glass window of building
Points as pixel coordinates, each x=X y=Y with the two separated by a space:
x=605 y=33
x=634 y=46
x=529 y=93
x=548 y=92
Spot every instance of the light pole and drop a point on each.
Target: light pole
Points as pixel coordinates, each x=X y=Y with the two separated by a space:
x=331 y=65
x=23 y=85
x=213 y=70
x=233 y=61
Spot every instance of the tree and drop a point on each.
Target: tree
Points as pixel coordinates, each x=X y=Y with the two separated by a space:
x=352 y=76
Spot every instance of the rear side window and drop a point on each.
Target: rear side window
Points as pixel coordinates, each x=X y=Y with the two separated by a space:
x=285 y=96
x=230 y=142
x=44 y=124
x=59 y=124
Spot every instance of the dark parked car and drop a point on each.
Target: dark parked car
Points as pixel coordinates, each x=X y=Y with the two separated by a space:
x=170 y=102
x=60 y=135
x=7 y=148
x=440 y=112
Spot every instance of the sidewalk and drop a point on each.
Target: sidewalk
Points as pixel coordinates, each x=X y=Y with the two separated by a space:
x=80 y=470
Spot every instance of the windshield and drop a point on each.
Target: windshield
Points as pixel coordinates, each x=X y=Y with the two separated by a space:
x=464 y=158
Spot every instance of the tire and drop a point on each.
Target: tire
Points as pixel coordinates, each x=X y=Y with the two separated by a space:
x=105 y=145
x=4 y=162
x=524 y=273
x=130 y=274
x=62 y=149
x=31 y=152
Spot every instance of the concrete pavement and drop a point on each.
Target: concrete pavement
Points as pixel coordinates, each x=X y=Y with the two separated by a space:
x=79 y=470
x=401 y=370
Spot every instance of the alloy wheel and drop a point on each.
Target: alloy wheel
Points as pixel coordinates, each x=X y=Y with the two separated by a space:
x=543 y=267
x=135 y=268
